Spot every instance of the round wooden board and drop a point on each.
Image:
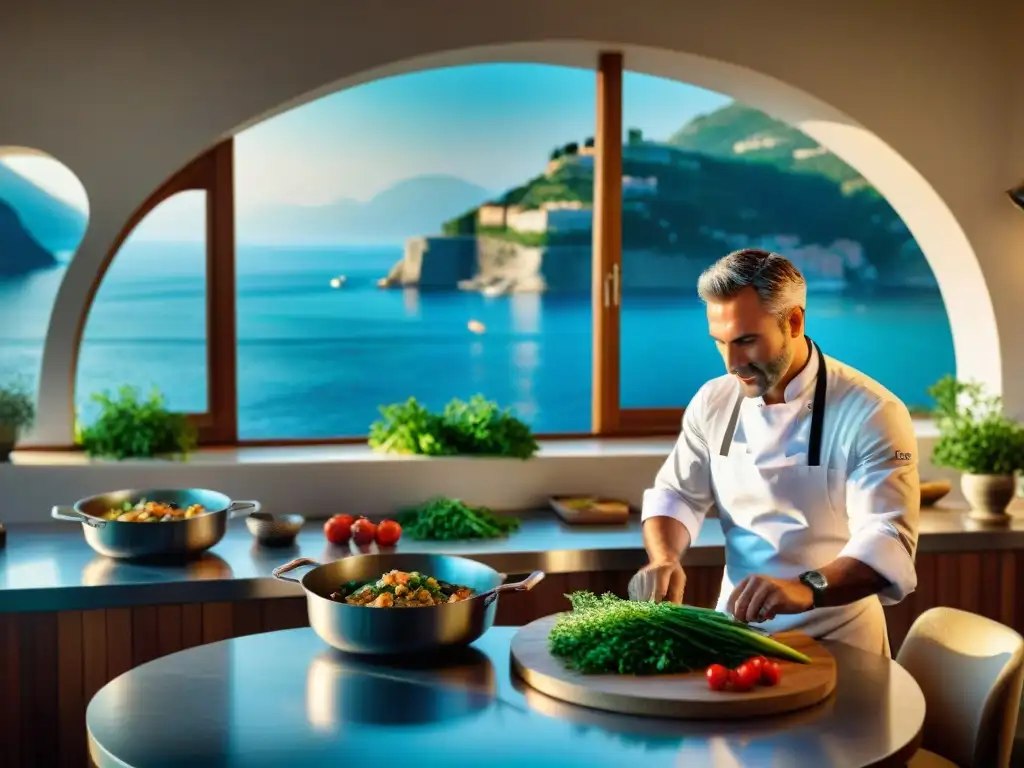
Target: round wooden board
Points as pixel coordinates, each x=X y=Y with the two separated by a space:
x=684 y=696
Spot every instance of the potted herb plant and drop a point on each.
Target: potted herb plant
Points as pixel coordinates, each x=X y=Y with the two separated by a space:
x=980 y=441
x=17 y=414
x=131 y=427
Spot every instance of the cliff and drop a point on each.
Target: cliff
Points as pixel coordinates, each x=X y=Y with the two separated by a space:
x=735 y=177
x=20 y=252
x=55 y=225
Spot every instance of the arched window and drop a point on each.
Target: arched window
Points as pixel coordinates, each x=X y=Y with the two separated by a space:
x=526 y=232
x=162 y=312
x=44 y=211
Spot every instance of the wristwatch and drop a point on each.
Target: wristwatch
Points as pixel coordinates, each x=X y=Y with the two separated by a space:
x=818 y=584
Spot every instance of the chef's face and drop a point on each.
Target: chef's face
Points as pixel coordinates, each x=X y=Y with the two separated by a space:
x=755 y=345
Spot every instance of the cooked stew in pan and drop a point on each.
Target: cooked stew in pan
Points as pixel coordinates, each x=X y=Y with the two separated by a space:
x=152 y=512
x=398 y=589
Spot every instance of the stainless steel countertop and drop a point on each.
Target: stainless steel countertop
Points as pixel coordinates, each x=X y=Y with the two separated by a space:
x=49 y=567
x=286 y=698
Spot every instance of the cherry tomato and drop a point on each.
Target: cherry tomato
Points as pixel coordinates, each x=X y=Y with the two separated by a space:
x=743 y=678
x=757 y=662
x=363 y=531
x=347 y=518
x=718 y=677
x=388 y=533
x=771 y=673
x=338 y=530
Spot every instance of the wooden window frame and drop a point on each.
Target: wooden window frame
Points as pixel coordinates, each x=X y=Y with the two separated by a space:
x=610 y=419
x=212 y=173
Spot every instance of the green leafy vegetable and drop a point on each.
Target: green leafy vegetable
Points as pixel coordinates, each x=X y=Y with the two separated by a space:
x=606 y=634
x=451 y=520
x=975 y=435
x=477 y=427
x=130 y=427
x=17 y=405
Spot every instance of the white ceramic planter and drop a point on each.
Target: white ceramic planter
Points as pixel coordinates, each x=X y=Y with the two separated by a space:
x=988 y=495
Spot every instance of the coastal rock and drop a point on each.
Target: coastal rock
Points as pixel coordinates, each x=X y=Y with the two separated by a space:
x=20 y=252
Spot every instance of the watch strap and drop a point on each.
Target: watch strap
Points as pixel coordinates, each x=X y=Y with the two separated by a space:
x=817 y=583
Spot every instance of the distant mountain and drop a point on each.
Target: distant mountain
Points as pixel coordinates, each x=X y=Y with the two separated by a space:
x=414 y=206
x=56 y=225
x=740 y=132
x=20 y=252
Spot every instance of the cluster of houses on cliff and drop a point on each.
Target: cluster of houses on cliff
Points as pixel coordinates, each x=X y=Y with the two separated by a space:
x=824 y=265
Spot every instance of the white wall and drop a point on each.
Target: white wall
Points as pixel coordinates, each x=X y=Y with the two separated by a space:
x=923 y=98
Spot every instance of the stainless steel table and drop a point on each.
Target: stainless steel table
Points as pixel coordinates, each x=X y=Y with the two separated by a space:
x=285 y=698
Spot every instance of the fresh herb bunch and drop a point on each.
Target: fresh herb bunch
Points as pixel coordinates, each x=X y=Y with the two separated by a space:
x=451 y=520
x=409 y=428
x=476 y=427
x=480 y=426
x=17 y=406
x=130 y=427
x=606 y=634
x=975 y=435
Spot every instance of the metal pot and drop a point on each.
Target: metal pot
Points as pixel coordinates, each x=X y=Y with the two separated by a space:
x=386 y=631
x=115 y=538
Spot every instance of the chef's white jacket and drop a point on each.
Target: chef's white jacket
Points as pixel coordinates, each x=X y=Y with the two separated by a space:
x=868 y=436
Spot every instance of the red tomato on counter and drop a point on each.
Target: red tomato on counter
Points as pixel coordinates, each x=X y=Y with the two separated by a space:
x=718 y=677
x=338 y=529
x=388 y=533
x=363 y=531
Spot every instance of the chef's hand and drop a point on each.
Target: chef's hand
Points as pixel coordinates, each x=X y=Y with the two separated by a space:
x=661 y=581
x=761 y=598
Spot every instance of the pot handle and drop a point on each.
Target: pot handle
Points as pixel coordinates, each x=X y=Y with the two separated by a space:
x=520 y=586
x=72 y=515
x=300 y=562
x=237 y=507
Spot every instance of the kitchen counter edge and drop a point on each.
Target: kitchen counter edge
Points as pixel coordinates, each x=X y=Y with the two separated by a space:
x=46 y=567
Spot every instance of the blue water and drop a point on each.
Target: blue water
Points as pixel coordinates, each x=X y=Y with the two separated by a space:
x=317 y=362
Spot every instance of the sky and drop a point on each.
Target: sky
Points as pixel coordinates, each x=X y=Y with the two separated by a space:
x=490 y=124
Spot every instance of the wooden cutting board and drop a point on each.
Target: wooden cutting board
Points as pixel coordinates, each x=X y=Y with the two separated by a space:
x=684 y=696
x=599 y=512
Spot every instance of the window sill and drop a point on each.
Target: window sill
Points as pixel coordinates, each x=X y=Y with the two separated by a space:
x=327 y=454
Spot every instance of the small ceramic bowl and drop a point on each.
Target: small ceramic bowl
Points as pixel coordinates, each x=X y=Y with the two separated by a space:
x=274 y=530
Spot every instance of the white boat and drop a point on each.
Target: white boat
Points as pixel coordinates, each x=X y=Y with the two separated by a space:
x=498 y=287
x=337 y=282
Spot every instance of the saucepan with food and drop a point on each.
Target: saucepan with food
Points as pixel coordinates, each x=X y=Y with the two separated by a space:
x=401 y=603
x=157 y=522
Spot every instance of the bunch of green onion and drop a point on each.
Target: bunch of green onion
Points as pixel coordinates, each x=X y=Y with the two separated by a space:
x=606 y=634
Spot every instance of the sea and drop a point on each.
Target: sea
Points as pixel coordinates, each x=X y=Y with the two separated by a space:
x=316 y=361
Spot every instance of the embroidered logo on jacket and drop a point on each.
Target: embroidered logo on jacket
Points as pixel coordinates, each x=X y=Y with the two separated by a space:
x=903 y=456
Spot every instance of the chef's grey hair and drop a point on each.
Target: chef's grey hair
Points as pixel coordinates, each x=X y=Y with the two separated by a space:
x=777 y=281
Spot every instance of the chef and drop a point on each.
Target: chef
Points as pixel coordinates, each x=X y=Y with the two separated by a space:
x=811 y=465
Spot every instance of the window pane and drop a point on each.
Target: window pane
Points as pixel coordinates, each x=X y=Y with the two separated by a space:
x=147 y=326
x=43 y=215
x=704 y=175
x=425 y=235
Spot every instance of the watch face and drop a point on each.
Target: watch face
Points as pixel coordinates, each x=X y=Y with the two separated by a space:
x=815 y=580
